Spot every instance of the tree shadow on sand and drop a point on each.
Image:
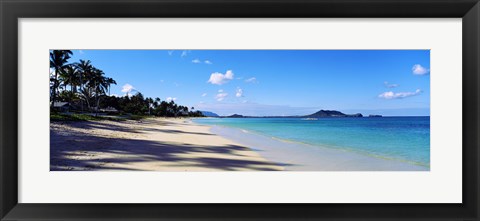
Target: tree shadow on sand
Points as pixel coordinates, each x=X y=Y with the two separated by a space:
x=71 y=151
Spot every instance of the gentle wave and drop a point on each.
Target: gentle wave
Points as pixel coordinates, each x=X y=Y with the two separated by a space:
x=346 y=149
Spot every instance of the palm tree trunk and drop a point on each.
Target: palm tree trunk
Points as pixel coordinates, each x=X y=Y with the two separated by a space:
x=96 y=99
x=71 y=90
x=54 y=88
x=82 y=90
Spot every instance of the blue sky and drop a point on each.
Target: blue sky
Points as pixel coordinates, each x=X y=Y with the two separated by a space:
x=274 y=82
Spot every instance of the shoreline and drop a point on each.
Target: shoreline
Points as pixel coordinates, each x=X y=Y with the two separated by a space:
x=308 y=157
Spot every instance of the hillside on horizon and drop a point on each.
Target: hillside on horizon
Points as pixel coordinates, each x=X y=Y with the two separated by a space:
x=318 y=114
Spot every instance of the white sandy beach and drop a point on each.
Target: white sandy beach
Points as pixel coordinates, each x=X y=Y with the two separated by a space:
x=154 y=144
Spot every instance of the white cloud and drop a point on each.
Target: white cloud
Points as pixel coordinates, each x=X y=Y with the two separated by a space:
x=220 y=91
x=392 y=95
x=219 y=78
x=221 y=96
x=204 y=94
x=208 y=62
x=390 y=85
x=127 y=88
x=239 y=92
x=196 y=61
x=419 y=70
x=251 y=80
x=184 y=53
x=161 y=81
x=81 y=52
x=170 y=53
x=168 y=99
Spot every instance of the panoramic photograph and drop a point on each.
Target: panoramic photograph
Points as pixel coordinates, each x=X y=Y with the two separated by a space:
x=239 y=110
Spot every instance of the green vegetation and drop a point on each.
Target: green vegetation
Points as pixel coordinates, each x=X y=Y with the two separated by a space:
x=83 y=88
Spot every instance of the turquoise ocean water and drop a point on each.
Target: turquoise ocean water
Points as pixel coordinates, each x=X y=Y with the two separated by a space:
x=404 y=139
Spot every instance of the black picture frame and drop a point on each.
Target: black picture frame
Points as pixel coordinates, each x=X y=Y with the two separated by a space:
x=12 y=10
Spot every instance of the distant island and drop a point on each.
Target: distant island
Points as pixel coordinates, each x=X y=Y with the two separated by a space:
x=331 y=113
x=209 y=114
x=318 y=114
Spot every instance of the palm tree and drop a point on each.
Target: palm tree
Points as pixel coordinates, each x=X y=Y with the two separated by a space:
x=66 y=78
x=85 y=93
x=58 y=61
x=85 y=70
x=97 y=82
x=109 y=81
x=100 y=83
x=150 y=103
x=69 y=77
